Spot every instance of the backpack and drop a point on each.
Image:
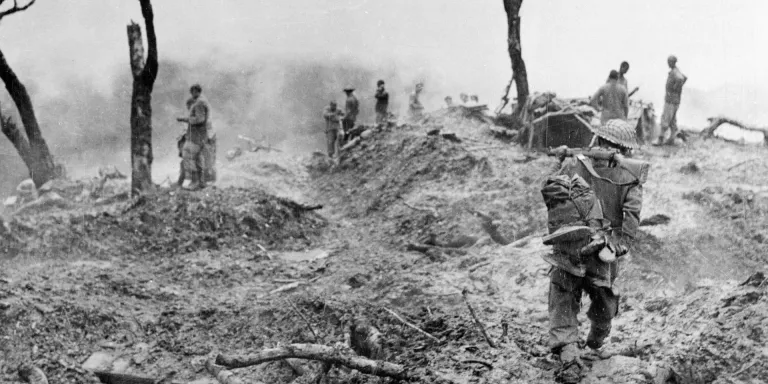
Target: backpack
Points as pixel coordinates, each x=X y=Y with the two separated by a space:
x=571 y=201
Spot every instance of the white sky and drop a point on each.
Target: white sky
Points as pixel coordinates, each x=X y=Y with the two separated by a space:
x=569 y=46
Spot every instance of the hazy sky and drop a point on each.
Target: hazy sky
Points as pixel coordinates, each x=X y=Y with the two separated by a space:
x=569 y=46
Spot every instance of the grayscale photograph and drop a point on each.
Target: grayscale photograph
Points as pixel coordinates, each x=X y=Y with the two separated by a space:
x=382 y=192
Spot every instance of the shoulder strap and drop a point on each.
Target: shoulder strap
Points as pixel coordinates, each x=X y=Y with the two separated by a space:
x=588 y=165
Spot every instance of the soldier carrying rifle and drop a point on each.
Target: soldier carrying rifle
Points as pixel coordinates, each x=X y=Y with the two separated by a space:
x=594 y=201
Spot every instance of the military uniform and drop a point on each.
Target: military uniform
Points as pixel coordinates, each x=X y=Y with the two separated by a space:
x=614 y=100
x=382 y=104
x=196 y=139
x=333 y=118
x=674 y=91
x=352 y=108
x=619 y=189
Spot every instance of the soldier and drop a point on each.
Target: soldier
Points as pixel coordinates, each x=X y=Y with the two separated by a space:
x=382 y=102
x=333 y=118
x=199 y=121
x=415 y=109
x=618 y=185
x=612 y=98
x=449 y=102
x=351 y=109
x=675 y=82
x=623 y=69
x=464 y=98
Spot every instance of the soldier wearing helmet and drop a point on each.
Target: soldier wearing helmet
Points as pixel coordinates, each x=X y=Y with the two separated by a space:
x=617 y=183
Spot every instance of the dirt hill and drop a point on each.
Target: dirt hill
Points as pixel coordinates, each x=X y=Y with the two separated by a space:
x=156 y=286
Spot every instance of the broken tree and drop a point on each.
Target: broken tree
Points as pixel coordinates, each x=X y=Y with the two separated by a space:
x=31 y=147
x=519 y=74
x=716 y=122
x=144 y=75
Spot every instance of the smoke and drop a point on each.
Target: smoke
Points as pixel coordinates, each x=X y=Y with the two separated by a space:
x=276 y=101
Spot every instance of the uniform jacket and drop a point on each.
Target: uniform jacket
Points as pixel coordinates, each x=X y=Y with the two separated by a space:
x=614 y=99
x=621 y=205
x=199 y=121
x=332 y=118
x=675 y=82
x=352 y=108
x=382 y=100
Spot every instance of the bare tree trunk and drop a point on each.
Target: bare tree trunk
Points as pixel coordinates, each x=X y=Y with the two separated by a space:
x=144 y=75
x=32 y=149
x=519 y=74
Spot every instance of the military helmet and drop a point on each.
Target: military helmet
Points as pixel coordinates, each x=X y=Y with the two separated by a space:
x=619 y=132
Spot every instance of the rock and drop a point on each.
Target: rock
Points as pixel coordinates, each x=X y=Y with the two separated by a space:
x=367 y=134
x=99 y=361
x=690 y=168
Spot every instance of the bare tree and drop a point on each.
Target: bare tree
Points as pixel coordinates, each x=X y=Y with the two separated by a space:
x=30 y=145
x=519 y=74
x=144 y=75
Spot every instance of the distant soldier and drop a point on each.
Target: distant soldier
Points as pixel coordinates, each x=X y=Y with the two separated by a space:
x=449 y=101
x=464 y=98
x=675 y=82
x=351 y=110
x=474 y=100
x=415 y=108
x=579 y=266
x=623 y=69
x=612 y=98
x=382 y=102
x=199 y=121
x=180 y=141
x=333 y=118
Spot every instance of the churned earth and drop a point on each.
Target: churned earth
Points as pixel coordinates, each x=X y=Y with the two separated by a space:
x=155 y=286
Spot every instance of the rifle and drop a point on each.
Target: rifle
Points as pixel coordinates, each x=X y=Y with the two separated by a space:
x=594 y=153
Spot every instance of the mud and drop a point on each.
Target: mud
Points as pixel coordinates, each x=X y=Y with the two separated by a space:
x=158 y=285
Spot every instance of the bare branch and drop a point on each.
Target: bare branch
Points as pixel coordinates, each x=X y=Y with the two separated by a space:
x=15 y=8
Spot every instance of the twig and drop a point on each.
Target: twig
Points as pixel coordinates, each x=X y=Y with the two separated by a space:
x=287 y=287
x=309 y=325
x=432 y=211
x=741 y=163
x=478 y=266
x=411 y=325
x=487 y=364
x=465 y=294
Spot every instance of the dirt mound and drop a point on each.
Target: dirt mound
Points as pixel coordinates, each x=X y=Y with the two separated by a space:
x=170 y=222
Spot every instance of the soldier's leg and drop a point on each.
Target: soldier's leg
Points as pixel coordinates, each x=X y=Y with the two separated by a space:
x=330 y=140
x=190 y=160
x=604 y=307
x=666 y=117
x=673 y=124
x=564 y=304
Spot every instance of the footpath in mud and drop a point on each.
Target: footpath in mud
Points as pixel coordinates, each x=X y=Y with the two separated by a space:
x=154 y=287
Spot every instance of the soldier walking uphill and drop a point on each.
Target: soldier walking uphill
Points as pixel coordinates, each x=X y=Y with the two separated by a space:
x=199 y=124
x=333 y=117
x=382 y=102
x=587 y=263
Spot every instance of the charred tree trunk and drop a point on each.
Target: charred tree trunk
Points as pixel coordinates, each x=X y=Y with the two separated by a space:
x=144 y=75
x=519 y=74
x=32 y=149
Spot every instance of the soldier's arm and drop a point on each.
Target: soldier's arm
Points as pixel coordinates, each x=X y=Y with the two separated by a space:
x=626 y=104
x=595 y=102
x=633 y=203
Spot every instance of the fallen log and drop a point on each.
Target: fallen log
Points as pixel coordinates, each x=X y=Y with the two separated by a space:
x=120 y=378
x=716 y=122
x=320 y=353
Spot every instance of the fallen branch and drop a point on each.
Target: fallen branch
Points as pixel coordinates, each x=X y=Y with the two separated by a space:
x=429 y=210
x=417 y=329
x=287 y=287
x=716 y=122
x=120 y=378
x=320 y=353
x=221 y=374
x=309 y=325
x=742 y=163
x=465 y=293
x=478 y=266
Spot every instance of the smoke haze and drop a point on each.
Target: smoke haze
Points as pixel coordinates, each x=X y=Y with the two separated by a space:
x=269 y=67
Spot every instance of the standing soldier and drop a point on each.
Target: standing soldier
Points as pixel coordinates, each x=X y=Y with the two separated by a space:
x=623 y=69
x=382 y=102
x=674 y=90
x=199 y=123
x=612 y=98
x=579 y=266
x=415 y=109
x=333 y=118
x=351 y=109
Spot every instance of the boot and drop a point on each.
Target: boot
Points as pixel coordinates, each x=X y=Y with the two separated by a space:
x=194 y=181
x=597 y=335
x=571 y=370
